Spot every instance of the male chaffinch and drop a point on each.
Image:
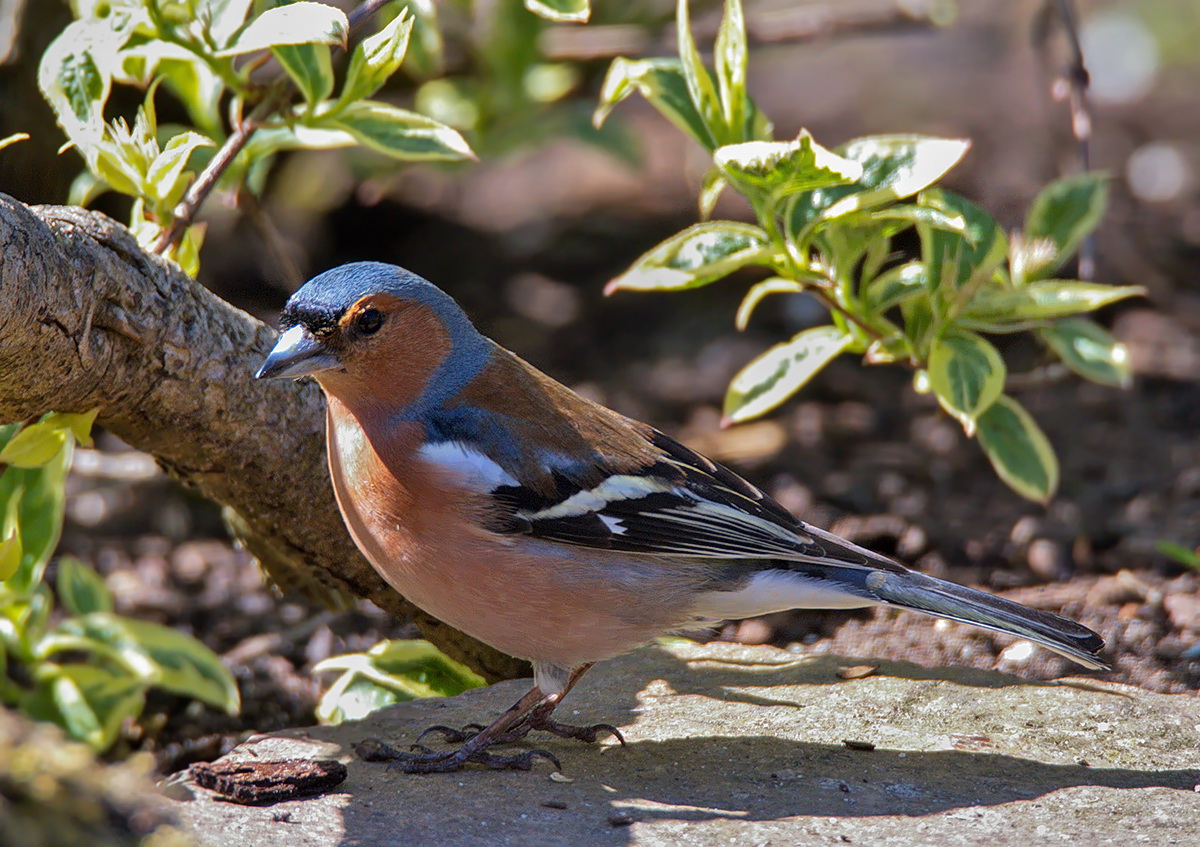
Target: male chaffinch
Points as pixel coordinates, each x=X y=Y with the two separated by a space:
x=548 y=526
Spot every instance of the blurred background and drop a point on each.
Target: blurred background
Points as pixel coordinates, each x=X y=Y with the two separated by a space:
x=526 y=238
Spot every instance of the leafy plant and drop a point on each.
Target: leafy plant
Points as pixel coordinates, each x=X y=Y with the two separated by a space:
x=206 y=53
x=390 y=672
x=1188 y=557
x=85 y=669
x=826 y=222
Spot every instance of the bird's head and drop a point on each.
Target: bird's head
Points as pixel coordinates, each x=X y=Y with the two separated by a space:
x=372 y=330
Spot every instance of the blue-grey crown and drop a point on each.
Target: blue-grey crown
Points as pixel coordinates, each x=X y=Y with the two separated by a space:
x=320 y=303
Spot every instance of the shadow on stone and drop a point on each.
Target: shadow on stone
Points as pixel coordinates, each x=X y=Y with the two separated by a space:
x=732 y=745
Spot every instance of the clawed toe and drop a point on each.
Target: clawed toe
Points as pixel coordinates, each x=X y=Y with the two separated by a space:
x=454 y=760
x=420 y=759
x=515 y=761
x=451 y=735
x=587 y=734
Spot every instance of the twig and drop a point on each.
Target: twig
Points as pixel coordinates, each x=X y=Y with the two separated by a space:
x=1072 y=86
x=199 y=190
x=363 y=12
x=835 y=306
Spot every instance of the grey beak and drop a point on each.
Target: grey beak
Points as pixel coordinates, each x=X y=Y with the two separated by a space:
x=296 y=354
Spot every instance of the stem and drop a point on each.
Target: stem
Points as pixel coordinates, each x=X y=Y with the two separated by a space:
x=834 y=306
x=275 y=98
x=1077 y=81
x=364 y=12
x=766 y=216
x=199 y=190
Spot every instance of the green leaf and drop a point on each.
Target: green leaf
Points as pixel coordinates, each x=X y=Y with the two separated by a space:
x=967 y=375
x=918 y=323
x=305 y=22
x=699 y=83
x=391 y=672
x=31 y=499
x=1066 y=212
x=199 y=89
x=1018 y=450
x=400 y=133
x=893 y=286
x=893 y=167
x=1045 y=300
x=75 y=77
x=10 y=554
x=297 y=137
x=1186 y=556
x=781 y=371
x=730 y=56
x=909 y=214
x=80 y=589
x=166 y=178
x=227 y=17
x=89 y=702
x=160 y=656
x=35 y=445
x=79 y=423
x=898 y=166
x=310 y=66
x=662 y=83
x=85 y=188
x=561 y=11
x=778 y=168
x=701 y=254
x=957 y=258
x=78 y=717
x=1089 y=350
x=375 y=59
x=425 y=55
x=710 y=191
x=187 y=666
x=760 y=291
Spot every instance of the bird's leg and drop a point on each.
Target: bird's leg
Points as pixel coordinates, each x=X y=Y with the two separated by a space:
x=539 y=718
x=536 y=718
x=473 y=750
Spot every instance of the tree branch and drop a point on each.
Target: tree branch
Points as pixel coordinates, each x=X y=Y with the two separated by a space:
x=91 y=320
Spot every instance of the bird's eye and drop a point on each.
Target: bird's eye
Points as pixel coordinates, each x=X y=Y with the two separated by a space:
x=369 y=321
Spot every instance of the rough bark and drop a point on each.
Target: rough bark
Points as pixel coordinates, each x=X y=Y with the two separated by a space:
x=87 y=319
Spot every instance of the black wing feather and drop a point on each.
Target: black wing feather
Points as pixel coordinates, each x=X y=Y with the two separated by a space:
x=692 y=507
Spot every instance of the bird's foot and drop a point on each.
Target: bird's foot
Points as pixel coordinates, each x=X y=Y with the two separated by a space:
x=588 y=734
x=425 y=760
x=538 y=719
x=454 y=736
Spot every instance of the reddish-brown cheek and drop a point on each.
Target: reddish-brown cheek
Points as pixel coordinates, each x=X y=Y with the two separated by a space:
x=390 y=371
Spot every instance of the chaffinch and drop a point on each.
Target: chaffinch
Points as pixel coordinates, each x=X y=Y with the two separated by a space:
x=548 y=526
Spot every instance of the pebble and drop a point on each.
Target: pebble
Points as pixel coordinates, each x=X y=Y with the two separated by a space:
x=1183 y=609
x=1048 y=559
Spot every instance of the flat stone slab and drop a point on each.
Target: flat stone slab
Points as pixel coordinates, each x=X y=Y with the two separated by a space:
x=730 y=744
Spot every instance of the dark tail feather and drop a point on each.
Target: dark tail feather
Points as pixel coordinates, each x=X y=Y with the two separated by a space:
x=921 y=593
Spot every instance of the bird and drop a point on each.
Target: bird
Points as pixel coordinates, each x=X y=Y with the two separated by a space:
x=549 y=526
